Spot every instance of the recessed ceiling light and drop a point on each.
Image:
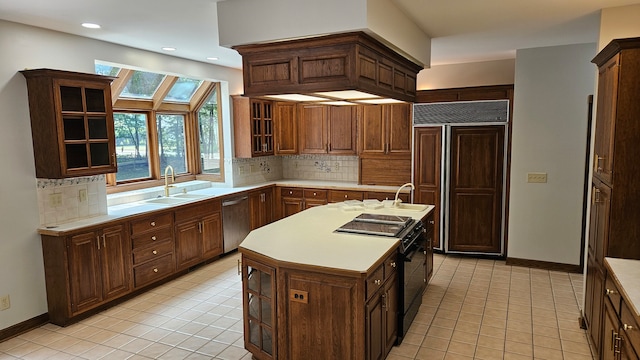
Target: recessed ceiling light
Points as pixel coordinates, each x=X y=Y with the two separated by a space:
x=167 y=48
x=213 y=58
x=296 y=97
x=91 y=25
x=380 y=101
x=348 y=95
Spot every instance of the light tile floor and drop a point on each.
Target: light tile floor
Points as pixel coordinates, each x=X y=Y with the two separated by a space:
x=472 y=309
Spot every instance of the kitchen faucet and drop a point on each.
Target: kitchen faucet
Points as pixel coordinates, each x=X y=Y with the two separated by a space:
x=397 y=201
x=166 y=180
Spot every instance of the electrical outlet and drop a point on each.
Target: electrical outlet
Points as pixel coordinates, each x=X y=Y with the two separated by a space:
x=55 y=200
x=537 y=177
x=82 y=195
x=5 y=302
x=336 y=166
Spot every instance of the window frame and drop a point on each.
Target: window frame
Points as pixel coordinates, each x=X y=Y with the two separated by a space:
x=154 y=106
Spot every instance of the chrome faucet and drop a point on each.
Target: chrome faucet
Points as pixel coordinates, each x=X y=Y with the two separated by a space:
x=397 y=201
x=166 y=180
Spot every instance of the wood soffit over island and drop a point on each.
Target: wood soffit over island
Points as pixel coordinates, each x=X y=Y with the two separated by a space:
x=349 y=61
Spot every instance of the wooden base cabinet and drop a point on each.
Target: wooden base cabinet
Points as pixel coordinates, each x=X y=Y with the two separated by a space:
x=198 y=233
x=85 y=270
x=620 y=337
x=261 y=207
x=331 y=314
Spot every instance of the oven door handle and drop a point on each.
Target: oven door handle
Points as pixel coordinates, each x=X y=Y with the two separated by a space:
x=408 y=256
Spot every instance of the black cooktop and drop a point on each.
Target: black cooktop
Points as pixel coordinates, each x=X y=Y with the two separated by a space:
x=376 y=224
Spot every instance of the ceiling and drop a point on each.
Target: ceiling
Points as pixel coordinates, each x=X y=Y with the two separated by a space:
x=461 y=30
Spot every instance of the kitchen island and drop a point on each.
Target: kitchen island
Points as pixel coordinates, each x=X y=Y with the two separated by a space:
x=310 y=290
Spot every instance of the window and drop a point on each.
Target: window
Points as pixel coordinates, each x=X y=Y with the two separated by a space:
x=163 y=120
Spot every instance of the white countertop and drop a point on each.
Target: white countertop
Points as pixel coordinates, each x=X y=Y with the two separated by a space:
x=140 y=207
x=626 y=272
x=308 y=238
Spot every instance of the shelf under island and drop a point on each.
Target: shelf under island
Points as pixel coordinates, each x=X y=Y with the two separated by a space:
x=310 y=290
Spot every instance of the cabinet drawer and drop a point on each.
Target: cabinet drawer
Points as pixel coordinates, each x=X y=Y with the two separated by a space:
x=629 y=321
x=611 y=291
x=197 y=210
x=152 y=222
x=342 y=195
x=375 y=280
x=291 y=192
x=315 y=194
x=155 y=251
x=390 y=266
x=154 y=270
x=151 y=237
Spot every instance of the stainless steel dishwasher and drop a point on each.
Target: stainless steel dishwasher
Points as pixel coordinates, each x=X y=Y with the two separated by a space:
x=235 y=222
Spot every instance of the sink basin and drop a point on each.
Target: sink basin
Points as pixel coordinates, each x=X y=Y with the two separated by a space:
x=188 y=196
x=412 y=207
x=166 y=200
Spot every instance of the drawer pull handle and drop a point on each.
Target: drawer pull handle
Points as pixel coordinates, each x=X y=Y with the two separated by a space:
x=611 y=292
x=155 y=252
x=393 y=264
x=153 y=223
x=346 y=196
x=290 y=192
x=627 y=327
x=153 y=238
x=431 y=222
x=314 y=194
x=377 y=282
x=155 y=270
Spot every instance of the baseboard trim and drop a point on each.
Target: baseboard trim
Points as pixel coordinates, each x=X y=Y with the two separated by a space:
x=545 y=265
x=20 y=328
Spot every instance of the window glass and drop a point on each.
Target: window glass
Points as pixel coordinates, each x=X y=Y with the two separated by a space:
x=131 y=146
x=208 y=129
x=182 y=90
x=142 y=85
x=107 y=70
x=171 y=142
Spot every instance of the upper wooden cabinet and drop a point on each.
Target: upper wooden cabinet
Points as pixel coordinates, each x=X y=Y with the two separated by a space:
x=71 y=123
x=253 y=127
x=286 y=128
x=385 y=130
x=328 y=129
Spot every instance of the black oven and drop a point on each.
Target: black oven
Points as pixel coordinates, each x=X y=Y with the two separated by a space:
x=411 y=273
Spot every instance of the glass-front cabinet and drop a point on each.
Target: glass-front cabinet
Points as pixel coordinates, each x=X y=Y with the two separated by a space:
x=259 y=290
x=71 y=123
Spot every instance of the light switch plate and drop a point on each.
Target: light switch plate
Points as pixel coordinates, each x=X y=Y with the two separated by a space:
x=537 y=177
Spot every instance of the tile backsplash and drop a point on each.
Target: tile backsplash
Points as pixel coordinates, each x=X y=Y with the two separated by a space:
x=256 y=170
x=64 y=200
x=320 y=167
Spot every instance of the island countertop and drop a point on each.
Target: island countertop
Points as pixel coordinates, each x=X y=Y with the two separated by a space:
x=308 y=238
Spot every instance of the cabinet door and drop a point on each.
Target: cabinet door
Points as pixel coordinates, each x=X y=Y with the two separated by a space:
x=291 y=206
x=594 y=296
x=261 y=205
x=188 y=243
x=211 y=232
x=285 y=128
x=605 y=119
x=372 y=130
x=610 y=334
x=374 y=328
x=428 y=156
x=84 y=271
x=87 y=136
x=399 y=129
x=342 y=130
x=115 y=260
x=259 y=308
x=599 y=228
x=390 y=302
x=313 y=129
x=262 y=127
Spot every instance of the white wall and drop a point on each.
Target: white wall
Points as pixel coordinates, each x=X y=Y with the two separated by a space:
x=498 y=72
x=619 y=22
x=549 y=135
x=21 y=268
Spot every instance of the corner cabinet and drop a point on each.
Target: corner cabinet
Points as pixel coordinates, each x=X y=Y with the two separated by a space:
x=71 y=123
x=253 y=127
x=615 y=202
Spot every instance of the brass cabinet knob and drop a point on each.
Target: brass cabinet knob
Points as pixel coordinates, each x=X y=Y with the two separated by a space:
x=155 y=270
x=153 y=238
x=627 y=327
x=155 y=252
x=611 y=292
x=377 y=282
x=393 y=264
x=314 y=194
x=153 y=223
